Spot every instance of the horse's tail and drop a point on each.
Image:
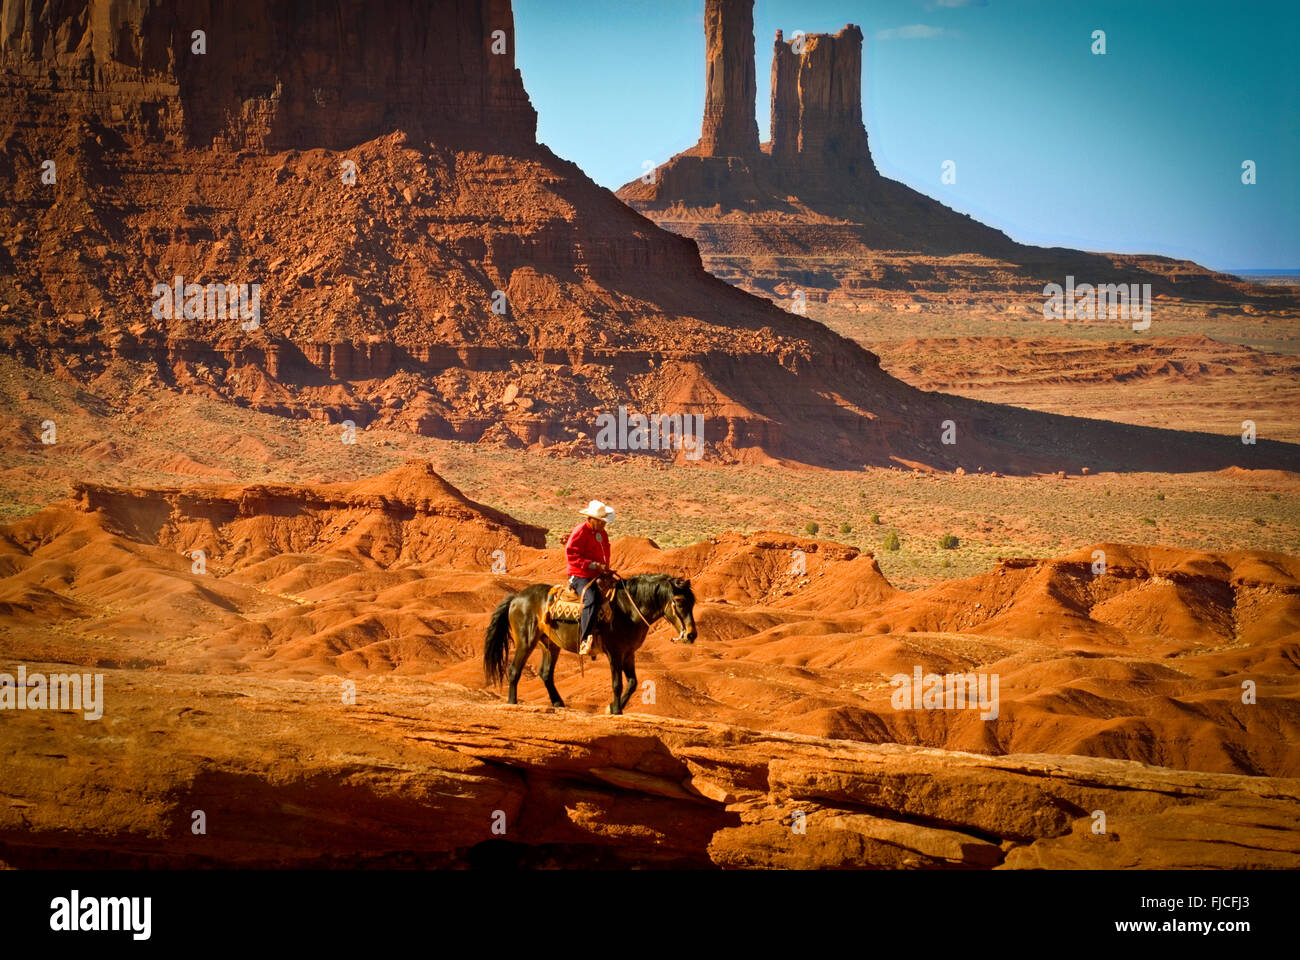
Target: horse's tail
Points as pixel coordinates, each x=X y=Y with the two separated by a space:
x=495 y=643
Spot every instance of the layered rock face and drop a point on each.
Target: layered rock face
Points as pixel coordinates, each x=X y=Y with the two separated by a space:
x=275 y=75
x=409 y=515
x=817 y=131
x=409 y=256
x=810 y=213
x=730 y=86
x=415 y=775
x=418 y=257
x=819 y=144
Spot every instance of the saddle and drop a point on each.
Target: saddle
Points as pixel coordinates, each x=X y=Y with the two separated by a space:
x=563 y=605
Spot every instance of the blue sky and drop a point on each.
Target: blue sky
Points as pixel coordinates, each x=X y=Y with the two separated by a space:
x=1139 y=150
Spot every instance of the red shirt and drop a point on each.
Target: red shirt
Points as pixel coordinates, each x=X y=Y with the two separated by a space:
x=584 y=547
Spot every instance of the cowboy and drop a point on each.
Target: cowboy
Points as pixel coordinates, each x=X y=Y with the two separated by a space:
x=587 y=553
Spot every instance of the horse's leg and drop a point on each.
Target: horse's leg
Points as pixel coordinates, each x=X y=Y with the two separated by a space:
x=550 y=653
x=629 y=671
x=616 y=677
x=525 y=640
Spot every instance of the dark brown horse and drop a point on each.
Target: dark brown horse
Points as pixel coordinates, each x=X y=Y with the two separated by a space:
x=638 y=603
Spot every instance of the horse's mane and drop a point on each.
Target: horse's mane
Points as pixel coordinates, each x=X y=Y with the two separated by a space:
x=659 y=587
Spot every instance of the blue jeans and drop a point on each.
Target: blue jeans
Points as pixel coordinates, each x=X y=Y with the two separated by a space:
x=590 y=600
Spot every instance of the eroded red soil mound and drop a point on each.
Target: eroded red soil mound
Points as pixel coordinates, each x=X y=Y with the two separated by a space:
x=1144 y=658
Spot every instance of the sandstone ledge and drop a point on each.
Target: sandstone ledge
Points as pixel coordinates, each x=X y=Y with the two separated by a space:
x=413 y=775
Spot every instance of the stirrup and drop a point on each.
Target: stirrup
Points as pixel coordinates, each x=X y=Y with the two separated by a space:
x=585 y=646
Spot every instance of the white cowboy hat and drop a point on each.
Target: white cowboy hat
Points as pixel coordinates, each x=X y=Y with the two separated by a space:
x=598 y=510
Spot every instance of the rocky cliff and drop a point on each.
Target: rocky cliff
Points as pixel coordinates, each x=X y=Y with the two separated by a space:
x=819 y=144
x=354 y=222
x=271 y=76
x=818 y=141
x=729 y=84
x=418 y=775
x=409 y=515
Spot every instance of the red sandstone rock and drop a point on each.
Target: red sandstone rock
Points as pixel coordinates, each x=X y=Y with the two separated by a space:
x=275 y=75
x=730 y=87
x=811 y=213
x=818 y=141
x=417 y=774
x=397 y=575
x=408 y=515
x=377 y=296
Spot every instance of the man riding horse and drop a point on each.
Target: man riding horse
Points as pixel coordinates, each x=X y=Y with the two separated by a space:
x=587 y=554
x=635 y=606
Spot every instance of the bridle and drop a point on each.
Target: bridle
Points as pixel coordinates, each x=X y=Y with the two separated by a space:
x=620 y=583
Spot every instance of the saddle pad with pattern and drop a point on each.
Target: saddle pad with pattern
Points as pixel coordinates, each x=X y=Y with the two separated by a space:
x=565 y=606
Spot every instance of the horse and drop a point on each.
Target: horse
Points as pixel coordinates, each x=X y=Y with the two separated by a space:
x=638 y=603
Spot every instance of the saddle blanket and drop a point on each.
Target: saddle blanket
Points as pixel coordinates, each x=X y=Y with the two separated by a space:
x=565 y=606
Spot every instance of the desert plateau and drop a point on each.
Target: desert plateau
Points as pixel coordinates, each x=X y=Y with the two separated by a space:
x=315 y=353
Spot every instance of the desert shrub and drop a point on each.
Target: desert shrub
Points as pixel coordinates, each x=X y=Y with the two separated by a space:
x=891 y=541
x=948 y=542
x=845 y=528
x=811 y=528
x=1148 y=521
x=875 y=518
x=1160 y=496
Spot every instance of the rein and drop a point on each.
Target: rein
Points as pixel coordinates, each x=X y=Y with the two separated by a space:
x=628 y=593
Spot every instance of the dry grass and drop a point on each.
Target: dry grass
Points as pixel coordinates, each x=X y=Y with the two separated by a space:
x=137 y=434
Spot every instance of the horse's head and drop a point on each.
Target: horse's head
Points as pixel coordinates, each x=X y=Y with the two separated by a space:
x=680 y=609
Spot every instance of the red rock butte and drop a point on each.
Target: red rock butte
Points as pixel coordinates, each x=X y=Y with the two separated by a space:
x=273 y=77
x=422 y=262
x=729 y=127
x=808 y=210
x=818 y=140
